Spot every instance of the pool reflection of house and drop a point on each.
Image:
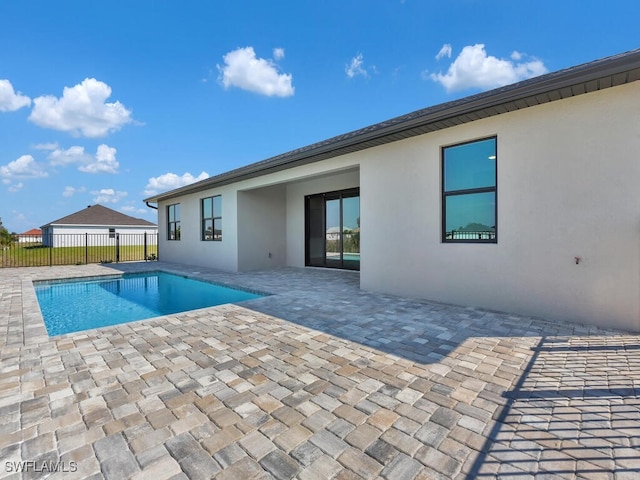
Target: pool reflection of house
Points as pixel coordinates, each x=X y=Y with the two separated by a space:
x=333 y=233
x=557 y=152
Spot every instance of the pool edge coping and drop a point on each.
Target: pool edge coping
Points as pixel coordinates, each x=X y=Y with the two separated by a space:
x=35 y=323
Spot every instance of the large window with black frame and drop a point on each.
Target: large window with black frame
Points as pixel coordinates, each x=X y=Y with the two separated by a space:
x=173 y=222
x=469 y=192
x=212 y=218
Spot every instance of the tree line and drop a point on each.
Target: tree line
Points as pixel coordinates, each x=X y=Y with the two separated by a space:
x=6 y=238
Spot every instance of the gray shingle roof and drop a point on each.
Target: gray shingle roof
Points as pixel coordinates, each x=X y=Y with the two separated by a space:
x=99 y=215
x=589 y=77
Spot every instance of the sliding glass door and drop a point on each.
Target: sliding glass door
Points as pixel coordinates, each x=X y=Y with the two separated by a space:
x=333 y=229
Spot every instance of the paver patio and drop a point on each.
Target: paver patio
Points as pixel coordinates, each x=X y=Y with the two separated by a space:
x=319 y=380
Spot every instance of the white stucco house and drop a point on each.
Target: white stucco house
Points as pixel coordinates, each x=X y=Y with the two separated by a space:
x=96 y=225
x=30 y=236
x=522 y=199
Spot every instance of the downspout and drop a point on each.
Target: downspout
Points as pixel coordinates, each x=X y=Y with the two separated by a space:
x=158 y=236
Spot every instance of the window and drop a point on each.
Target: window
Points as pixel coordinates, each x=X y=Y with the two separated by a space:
x=469 y=192
x=212 y=218
x=112 y=233
x=173 y=222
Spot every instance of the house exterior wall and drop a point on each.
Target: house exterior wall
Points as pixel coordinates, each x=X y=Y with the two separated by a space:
x=568 y=176
x=262 y=228
x=191 y=249
x=29 y=238
x=74 y=236
x=567 y=186
x=271 y=204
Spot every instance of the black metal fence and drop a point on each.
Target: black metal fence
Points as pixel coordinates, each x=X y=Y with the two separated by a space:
x=78 y=249
x=464 y=235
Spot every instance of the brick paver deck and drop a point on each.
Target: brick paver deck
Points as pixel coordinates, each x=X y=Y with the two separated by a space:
x=319 y=380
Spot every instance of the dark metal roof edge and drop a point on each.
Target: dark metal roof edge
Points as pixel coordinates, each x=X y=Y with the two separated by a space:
x=142 y=225
x=608 y=66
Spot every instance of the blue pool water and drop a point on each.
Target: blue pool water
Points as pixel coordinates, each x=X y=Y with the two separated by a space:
x=72 y=306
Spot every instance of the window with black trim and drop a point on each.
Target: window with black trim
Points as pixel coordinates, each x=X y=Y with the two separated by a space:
x=469 y=192
x=112 y=233
x=173 y=222
x=212 y=218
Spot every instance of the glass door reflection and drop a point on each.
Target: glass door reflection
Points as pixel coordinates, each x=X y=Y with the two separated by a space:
x=333 y=230
x=333 y=236
x=351 y=232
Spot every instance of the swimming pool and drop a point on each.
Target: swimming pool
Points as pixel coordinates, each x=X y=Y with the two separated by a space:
x=73 y=306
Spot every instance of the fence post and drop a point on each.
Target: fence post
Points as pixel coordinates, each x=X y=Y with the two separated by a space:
x=145 y=246
x=51 y=243
x=86 y=248
x=117 y=247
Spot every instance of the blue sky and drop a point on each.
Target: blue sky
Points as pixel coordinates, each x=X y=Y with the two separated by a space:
x=111 y=102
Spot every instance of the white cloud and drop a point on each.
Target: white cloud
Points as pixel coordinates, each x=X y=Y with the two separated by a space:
x=10 y=100
x=108 y=195
x=104 y=160
x=71 y=191
x=445 y=51
x=131 y=210
x=355 y=68
x=75 y=154
x=23 y=167
x=16 y=186
x=278 y=53
x=473 y=68
x=209 y=76
x=170 y=181
x=45 y=146
x=242 y=69
x=82 y=110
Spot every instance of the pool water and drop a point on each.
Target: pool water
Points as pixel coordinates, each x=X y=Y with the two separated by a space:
x=73 y=306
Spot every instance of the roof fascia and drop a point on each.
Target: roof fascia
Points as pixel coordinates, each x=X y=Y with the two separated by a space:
x=545 y=84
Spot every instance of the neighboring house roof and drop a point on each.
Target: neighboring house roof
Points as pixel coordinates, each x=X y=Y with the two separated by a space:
x=99 y=215
x=33 y=231
x=589 y=77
